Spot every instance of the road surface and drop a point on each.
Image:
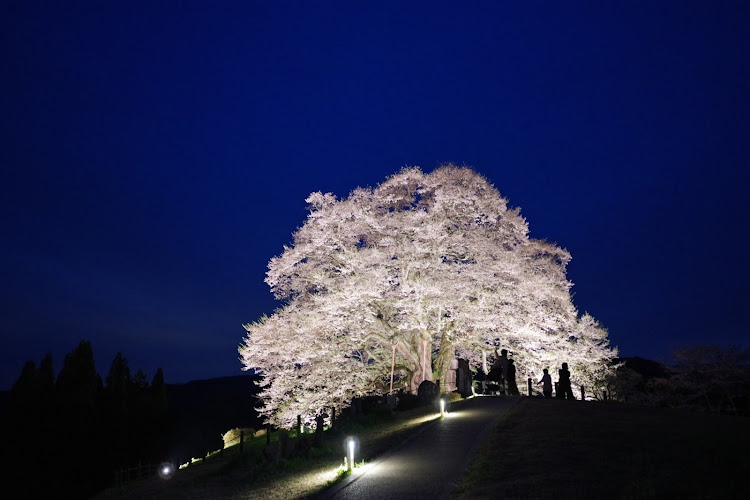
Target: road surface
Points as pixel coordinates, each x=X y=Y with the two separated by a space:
x=431 y=463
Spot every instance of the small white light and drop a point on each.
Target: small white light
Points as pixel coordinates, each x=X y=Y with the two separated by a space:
x=351 y=444
x=166 y=470
x=442 y=407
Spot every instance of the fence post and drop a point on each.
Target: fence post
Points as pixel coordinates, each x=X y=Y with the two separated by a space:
x=583 y=394
x=319 y=424
x=529 y=384
x=333 y=416
x=605 y=395
x=299 y=425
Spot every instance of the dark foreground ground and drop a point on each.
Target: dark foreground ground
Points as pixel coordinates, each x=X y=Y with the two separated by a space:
x=559 y=449
x=540 y=449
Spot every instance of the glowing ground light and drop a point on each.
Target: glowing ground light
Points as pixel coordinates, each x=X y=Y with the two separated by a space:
x=166 y=470
x=350 y=445
x=442 y=407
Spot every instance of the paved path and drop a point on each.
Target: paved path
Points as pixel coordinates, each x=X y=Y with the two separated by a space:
x=430 y=464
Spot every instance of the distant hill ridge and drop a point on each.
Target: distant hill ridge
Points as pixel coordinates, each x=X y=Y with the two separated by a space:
x=646 y=368
x=202 y=410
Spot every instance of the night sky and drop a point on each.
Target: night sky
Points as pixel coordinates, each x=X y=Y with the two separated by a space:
x=156 y=155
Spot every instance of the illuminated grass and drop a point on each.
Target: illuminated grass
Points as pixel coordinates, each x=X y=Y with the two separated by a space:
x=230 y=475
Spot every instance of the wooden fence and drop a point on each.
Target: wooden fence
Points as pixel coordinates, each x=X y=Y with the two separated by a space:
x=140 y=471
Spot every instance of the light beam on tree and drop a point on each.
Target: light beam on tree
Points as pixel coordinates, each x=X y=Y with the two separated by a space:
x=401 y=279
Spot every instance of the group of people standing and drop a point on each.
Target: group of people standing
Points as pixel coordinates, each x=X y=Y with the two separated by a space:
x=503 y=372
x=564 y=390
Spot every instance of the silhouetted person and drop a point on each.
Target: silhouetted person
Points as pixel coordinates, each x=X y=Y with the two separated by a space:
x=496 y=373
x=512 y=387
x=499 y=371
x=481 y=377
x=563 y=384
x=546 y=384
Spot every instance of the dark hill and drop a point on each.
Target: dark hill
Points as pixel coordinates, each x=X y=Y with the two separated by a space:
x=646 y=368
x=202 y=410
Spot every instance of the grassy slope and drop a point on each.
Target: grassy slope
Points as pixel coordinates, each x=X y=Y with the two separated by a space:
x=541 y=449
x=560 y=449
x=232 y=476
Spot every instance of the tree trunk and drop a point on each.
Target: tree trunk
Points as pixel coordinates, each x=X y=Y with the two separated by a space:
x=445 y=356
x=424 y=371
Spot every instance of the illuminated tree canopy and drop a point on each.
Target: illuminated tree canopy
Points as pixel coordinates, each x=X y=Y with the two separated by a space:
x=417 y=271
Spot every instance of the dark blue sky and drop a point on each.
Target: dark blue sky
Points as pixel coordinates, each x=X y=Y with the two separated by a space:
x=156 y=155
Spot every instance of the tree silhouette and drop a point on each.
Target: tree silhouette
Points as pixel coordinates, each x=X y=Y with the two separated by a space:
x=77 y=390
x=159 y=416
x=74 y=432
x=712 y=377
x=46 y=375
x=116 y=410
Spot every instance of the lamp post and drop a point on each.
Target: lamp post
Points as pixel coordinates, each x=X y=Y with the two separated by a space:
x=166 y=470
x=350 y=445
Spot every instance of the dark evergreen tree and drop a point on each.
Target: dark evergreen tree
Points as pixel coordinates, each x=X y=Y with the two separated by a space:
x=75 y=432
x=21 y=430
x=80 y=468
x=139 y=416
x=46 y=374
x=159 y=417
x=28 y=430
x=140 y=382
x=25 y=398
x=159 y=393
x=115 y=411
x=46 y=433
